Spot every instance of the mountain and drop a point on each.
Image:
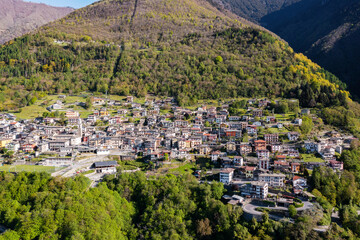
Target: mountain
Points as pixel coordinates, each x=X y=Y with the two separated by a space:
x=185 y=48
x=327 y=31
x=253 y=10
x=18 y=17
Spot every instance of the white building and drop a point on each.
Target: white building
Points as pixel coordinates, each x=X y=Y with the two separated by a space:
x=255 y=190
x=57 y=161
x=226 y=175
x=264 y=163
x=273 y=179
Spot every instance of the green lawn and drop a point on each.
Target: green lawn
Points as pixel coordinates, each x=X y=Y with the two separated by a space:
x=284 y=117
x=28 y=168
x=276 y=130
x=311 y=158
x=32 y=111
x=186 y=168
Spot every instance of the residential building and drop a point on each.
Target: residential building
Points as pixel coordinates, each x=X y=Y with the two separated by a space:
x=273 y=179
x=226 y=175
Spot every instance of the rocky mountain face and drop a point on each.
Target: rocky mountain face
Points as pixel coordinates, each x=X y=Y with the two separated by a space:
x=327 y=31
x=18 y=17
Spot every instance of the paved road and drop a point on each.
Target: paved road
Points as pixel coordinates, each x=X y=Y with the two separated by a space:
x=79 y=165
x=250 y=208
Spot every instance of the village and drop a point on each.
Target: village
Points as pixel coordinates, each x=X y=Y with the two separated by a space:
x=256 y=153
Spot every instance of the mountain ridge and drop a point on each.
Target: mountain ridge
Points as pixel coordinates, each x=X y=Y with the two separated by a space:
x=18 y=17
x=325 y=30
x=187 y=49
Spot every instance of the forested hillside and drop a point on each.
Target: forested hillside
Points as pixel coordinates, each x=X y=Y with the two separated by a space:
x=325 y=31
x=186 y=49
x=253 y=10
x=18 y=17
x=36 y=206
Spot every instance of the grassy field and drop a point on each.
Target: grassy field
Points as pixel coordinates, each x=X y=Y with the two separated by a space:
x=186 y=168
x=32 y=111
x=285 y=117
x=28 y=168
x=311 y=158
x=276 y=130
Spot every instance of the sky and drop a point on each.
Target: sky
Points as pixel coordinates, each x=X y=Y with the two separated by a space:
x=65 y=3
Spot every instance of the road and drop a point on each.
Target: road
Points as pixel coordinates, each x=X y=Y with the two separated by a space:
x=250 y=208
x=79 y=165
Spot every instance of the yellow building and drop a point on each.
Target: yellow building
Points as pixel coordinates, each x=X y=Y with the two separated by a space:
x=4 y=142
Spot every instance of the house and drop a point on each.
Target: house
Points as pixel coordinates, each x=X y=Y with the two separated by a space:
x=4 y=142
x=217 y=154
x=310 y=146
x=295 y=167
x=255 y=190
x=336 y=165
x=271 y=138
x=234 y=118
x=55 y=145
x=282 y=166
x=232 y=133
x=103 y=112
x=299 y=182
x=105 y=167
x=27 y=147
x=226 y=175
x=257 y=113
x=251 y=129
x=74 y=120
x=276 y=147
x=97 y=101
x=129 y=99
x=263 y=153
x=249 y=171
x=245 y=149
x=72 y=114
x=259 y=145
x=293 y=136
x=273 y=179
x=305 y=111
x=238 y=161
x=270 y=119
x=264 y=163
x=298 y=121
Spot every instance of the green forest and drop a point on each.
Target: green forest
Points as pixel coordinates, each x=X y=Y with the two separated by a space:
x=133 y=206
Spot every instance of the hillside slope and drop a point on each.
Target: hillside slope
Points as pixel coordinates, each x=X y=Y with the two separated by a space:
x=18 y=17
x=185 y=48
x=253 y=10
x=327 y=31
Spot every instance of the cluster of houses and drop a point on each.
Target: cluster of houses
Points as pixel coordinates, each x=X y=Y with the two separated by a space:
x=160 y=130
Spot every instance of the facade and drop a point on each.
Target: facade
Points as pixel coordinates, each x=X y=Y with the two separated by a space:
x=271 y=138
x=226 y=175
x=57 y=161
x=255 y=190
x=264 y=164
x=259 y=145
x=108 y=167
x=273 y=179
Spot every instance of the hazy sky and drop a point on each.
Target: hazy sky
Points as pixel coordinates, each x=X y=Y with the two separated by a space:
x=65 y=3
